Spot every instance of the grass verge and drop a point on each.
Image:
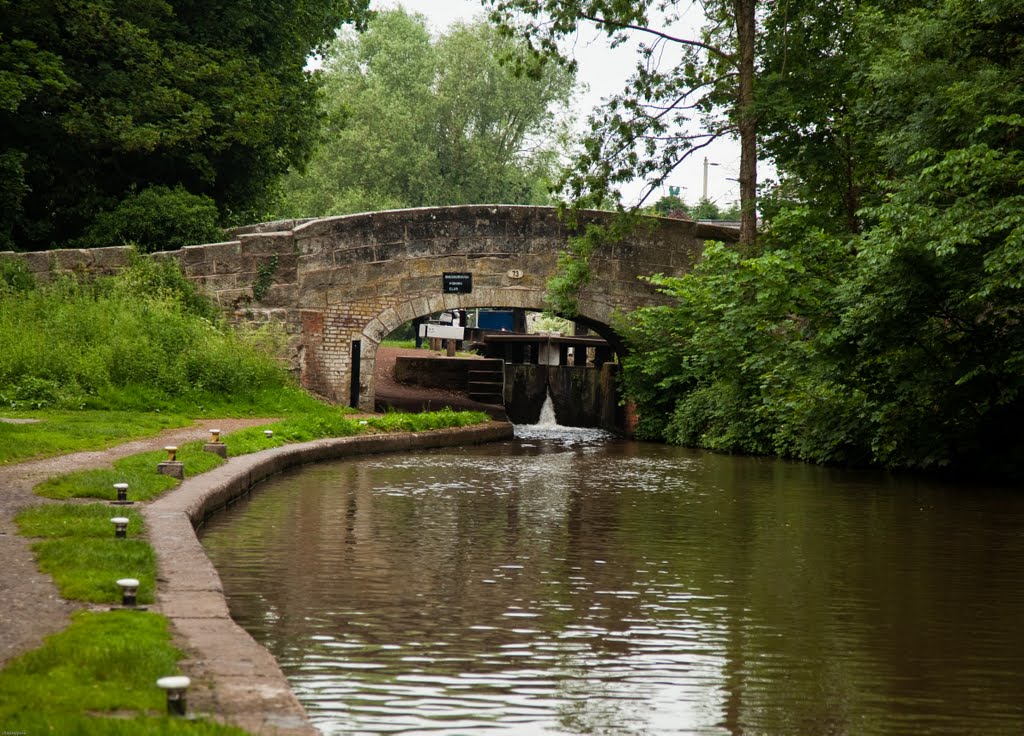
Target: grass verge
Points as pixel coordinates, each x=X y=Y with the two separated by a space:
x=107 y=663
x=80 y=552
x=102 y=664
x=61 y=432
x=138 y=471
x=313 y=427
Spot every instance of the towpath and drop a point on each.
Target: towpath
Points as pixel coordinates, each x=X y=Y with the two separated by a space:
x=31 y=608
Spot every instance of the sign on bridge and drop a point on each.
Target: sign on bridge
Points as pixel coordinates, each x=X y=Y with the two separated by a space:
x=457 y=283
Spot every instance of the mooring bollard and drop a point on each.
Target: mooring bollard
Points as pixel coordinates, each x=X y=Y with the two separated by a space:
x=215 y=445
x=268 y=433
x=122 y=495
x=129 y=589
x=175 y=688
x=172 y=466
x=120 y=526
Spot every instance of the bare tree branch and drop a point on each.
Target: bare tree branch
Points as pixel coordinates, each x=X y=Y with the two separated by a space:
x=675 y=39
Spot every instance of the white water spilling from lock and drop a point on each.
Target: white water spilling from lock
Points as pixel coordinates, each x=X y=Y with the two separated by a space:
x=548 y=428
x=547 y=413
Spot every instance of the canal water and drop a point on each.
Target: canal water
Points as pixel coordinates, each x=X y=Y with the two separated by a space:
x=570 y=583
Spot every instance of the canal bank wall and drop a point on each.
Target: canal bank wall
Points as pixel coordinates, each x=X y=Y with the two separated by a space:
x=234 y=677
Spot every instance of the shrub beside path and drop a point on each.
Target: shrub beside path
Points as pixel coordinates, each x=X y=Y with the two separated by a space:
x=31 y=608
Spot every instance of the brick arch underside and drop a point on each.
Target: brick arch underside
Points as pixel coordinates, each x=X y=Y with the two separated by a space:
x=595 y=314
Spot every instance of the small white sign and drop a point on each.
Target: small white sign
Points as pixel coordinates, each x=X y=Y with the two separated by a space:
x=445 y=332
x=514 y=273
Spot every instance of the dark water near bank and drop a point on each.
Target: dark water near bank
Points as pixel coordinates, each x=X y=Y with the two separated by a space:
x=588 y=586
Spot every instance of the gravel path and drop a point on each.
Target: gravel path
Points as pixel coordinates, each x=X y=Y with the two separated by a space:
x=30 y=606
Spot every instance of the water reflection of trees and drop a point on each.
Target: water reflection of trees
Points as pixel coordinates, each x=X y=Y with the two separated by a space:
x=771 y=597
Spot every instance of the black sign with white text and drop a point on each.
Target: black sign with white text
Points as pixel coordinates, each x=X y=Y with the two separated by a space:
x=457 y=283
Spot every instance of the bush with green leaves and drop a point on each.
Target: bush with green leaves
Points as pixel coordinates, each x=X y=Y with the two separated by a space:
x=141 y=340
x=15 y=276
x=156 y=218
x=732 y=364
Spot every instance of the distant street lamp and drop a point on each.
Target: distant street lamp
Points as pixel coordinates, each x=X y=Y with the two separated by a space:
x=706 y=165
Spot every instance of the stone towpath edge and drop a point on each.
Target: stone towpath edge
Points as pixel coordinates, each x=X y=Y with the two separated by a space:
x=234 y=678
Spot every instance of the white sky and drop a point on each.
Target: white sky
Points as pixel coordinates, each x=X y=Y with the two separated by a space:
x=604 y=70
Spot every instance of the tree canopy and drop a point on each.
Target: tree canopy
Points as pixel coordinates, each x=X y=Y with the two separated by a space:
x=880 y=319
x=415 y=121
x=101 y=99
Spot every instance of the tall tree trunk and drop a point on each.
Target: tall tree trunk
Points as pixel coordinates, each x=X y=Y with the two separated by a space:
x=747 y=120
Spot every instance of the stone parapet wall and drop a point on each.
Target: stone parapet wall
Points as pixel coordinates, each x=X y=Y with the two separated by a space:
x=336 y=280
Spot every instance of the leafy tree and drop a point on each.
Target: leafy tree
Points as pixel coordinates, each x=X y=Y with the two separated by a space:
x=731 y=365
x=645 y=131
x=157 y=218
x=708 y=210
x=931 y=328
x=812 y=58
x=102 y=98
x=672 y=206
x=415 y=122
x=901 y=345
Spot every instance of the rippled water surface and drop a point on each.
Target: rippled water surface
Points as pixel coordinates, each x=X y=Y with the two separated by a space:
x=568 y=583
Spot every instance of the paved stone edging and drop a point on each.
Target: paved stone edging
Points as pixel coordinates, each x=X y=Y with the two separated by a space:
x=236 y=678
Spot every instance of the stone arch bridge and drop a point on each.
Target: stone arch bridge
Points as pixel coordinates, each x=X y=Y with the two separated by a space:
x=342 y=284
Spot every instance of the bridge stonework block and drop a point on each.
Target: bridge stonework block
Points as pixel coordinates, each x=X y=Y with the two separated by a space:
x=361 y=254
x=265 y=244
x=428 y=229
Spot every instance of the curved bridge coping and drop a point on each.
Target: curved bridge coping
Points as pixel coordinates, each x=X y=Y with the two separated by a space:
x=338 y=285
x=245 y=684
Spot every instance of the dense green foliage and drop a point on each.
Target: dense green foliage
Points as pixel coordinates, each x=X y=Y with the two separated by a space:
x=142 y=340
x=157 y=218
x=413 y=121
x=101 y=99
x=672 y=205
x=880 y=320
x=104 y=663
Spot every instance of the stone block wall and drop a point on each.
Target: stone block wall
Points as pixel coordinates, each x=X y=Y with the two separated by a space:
x=332 y=281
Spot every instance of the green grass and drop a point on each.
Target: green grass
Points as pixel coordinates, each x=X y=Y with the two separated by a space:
x=142 y=340
x=87 y=569
x=82 y=555
x=103 y=663
x=410 y=344
x=144 y=483
x=75 y=520
x=61 y=432
x=313 y=427
x=445 y=418
x=138 y=471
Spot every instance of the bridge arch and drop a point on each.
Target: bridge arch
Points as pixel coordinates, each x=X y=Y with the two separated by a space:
x=359 y=277
x=337 y=281
x=386 y=322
